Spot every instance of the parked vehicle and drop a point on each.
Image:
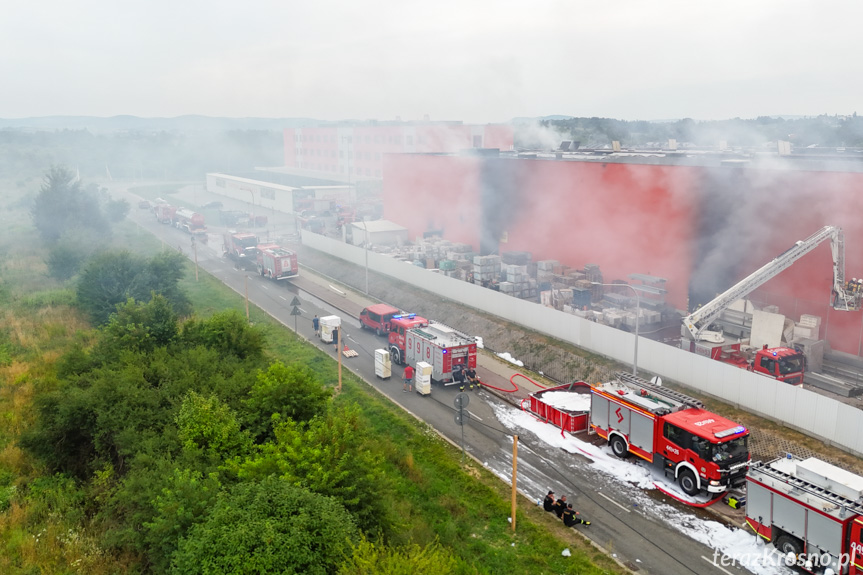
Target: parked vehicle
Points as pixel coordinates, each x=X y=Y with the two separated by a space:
x=189 y=221
x=702 y=451
x=445 y=348
x=241 y=246
x=276 y=262
x=810 y=510
x=379 y=317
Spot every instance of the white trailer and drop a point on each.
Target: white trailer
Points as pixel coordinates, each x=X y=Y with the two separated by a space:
x=329 y=325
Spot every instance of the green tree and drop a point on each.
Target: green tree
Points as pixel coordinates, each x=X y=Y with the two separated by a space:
x=137 y=327
x=184 y=501
x=111 y=278
x=290 y=391
x=116 y=210
x=206 y=423
x=370 y=558
x=64 y=260
x=267 y=527
x=227 y=332
x=62 y=204
x=332 y=455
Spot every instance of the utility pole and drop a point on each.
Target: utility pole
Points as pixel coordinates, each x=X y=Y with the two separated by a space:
x=339 y=352
x=195 y=249
x=514 y=475
x=247 y=298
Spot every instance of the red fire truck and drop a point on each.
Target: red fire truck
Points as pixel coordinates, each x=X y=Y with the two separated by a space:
x=399 y=327
x=241 y=245
x=811 y=511
x=164 y=212
x=379 y=318
x=782 y=363
x=441 y=346
x=702 y=450
x=189 y=221
x=276 y=262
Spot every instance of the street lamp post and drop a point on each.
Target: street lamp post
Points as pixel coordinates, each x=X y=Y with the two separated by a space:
x=366 y=246
x=637 y=314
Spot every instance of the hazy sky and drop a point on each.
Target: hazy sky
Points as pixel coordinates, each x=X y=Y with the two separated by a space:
x=471 y=60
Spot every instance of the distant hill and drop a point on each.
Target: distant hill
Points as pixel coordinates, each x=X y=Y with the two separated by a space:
x=527 y=120
x=185 y=124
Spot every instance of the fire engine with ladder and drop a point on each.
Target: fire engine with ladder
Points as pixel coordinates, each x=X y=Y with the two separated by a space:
x=703 y=451
x=810 y=510
x=781 y=363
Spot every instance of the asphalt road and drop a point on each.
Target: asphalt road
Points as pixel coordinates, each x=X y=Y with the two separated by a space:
x=626 y=521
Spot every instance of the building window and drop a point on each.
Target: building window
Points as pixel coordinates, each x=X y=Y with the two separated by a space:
x=409 y=140
x=377 y=173
x=377 y=156
x=368 y=139
x=368 y=172
x=341 y=153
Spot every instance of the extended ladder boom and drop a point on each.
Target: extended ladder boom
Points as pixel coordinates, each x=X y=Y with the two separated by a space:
x=697 y=321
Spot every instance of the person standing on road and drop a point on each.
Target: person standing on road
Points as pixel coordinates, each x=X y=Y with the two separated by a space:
x=316 y=323
x=409 y=376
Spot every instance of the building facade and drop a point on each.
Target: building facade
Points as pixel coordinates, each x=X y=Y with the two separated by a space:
x=357 y=150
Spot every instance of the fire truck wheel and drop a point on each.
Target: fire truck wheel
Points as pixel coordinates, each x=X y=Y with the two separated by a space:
x=788 y=544
x=396 y=356
x=378 y=332
x=687 y=482
x=618 y=447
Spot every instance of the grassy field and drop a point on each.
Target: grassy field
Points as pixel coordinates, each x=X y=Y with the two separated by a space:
x=44 y=520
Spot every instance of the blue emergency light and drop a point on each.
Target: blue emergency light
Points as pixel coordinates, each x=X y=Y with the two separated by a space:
x=732 y=431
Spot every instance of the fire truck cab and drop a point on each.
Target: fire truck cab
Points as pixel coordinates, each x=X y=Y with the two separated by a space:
x=703 y=451
x=399 y=326
x=782 y=363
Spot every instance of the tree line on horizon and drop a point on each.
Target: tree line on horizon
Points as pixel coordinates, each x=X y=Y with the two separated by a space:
x=820 y=131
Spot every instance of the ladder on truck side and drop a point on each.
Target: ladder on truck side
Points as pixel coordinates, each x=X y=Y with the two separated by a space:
x=696 y=322
x=809 y=487
x=660 y=391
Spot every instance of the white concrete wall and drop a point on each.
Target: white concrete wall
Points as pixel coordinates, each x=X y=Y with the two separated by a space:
x=811 y=413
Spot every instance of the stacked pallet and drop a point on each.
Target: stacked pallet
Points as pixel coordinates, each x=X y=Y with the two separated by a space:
x=486 y=269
